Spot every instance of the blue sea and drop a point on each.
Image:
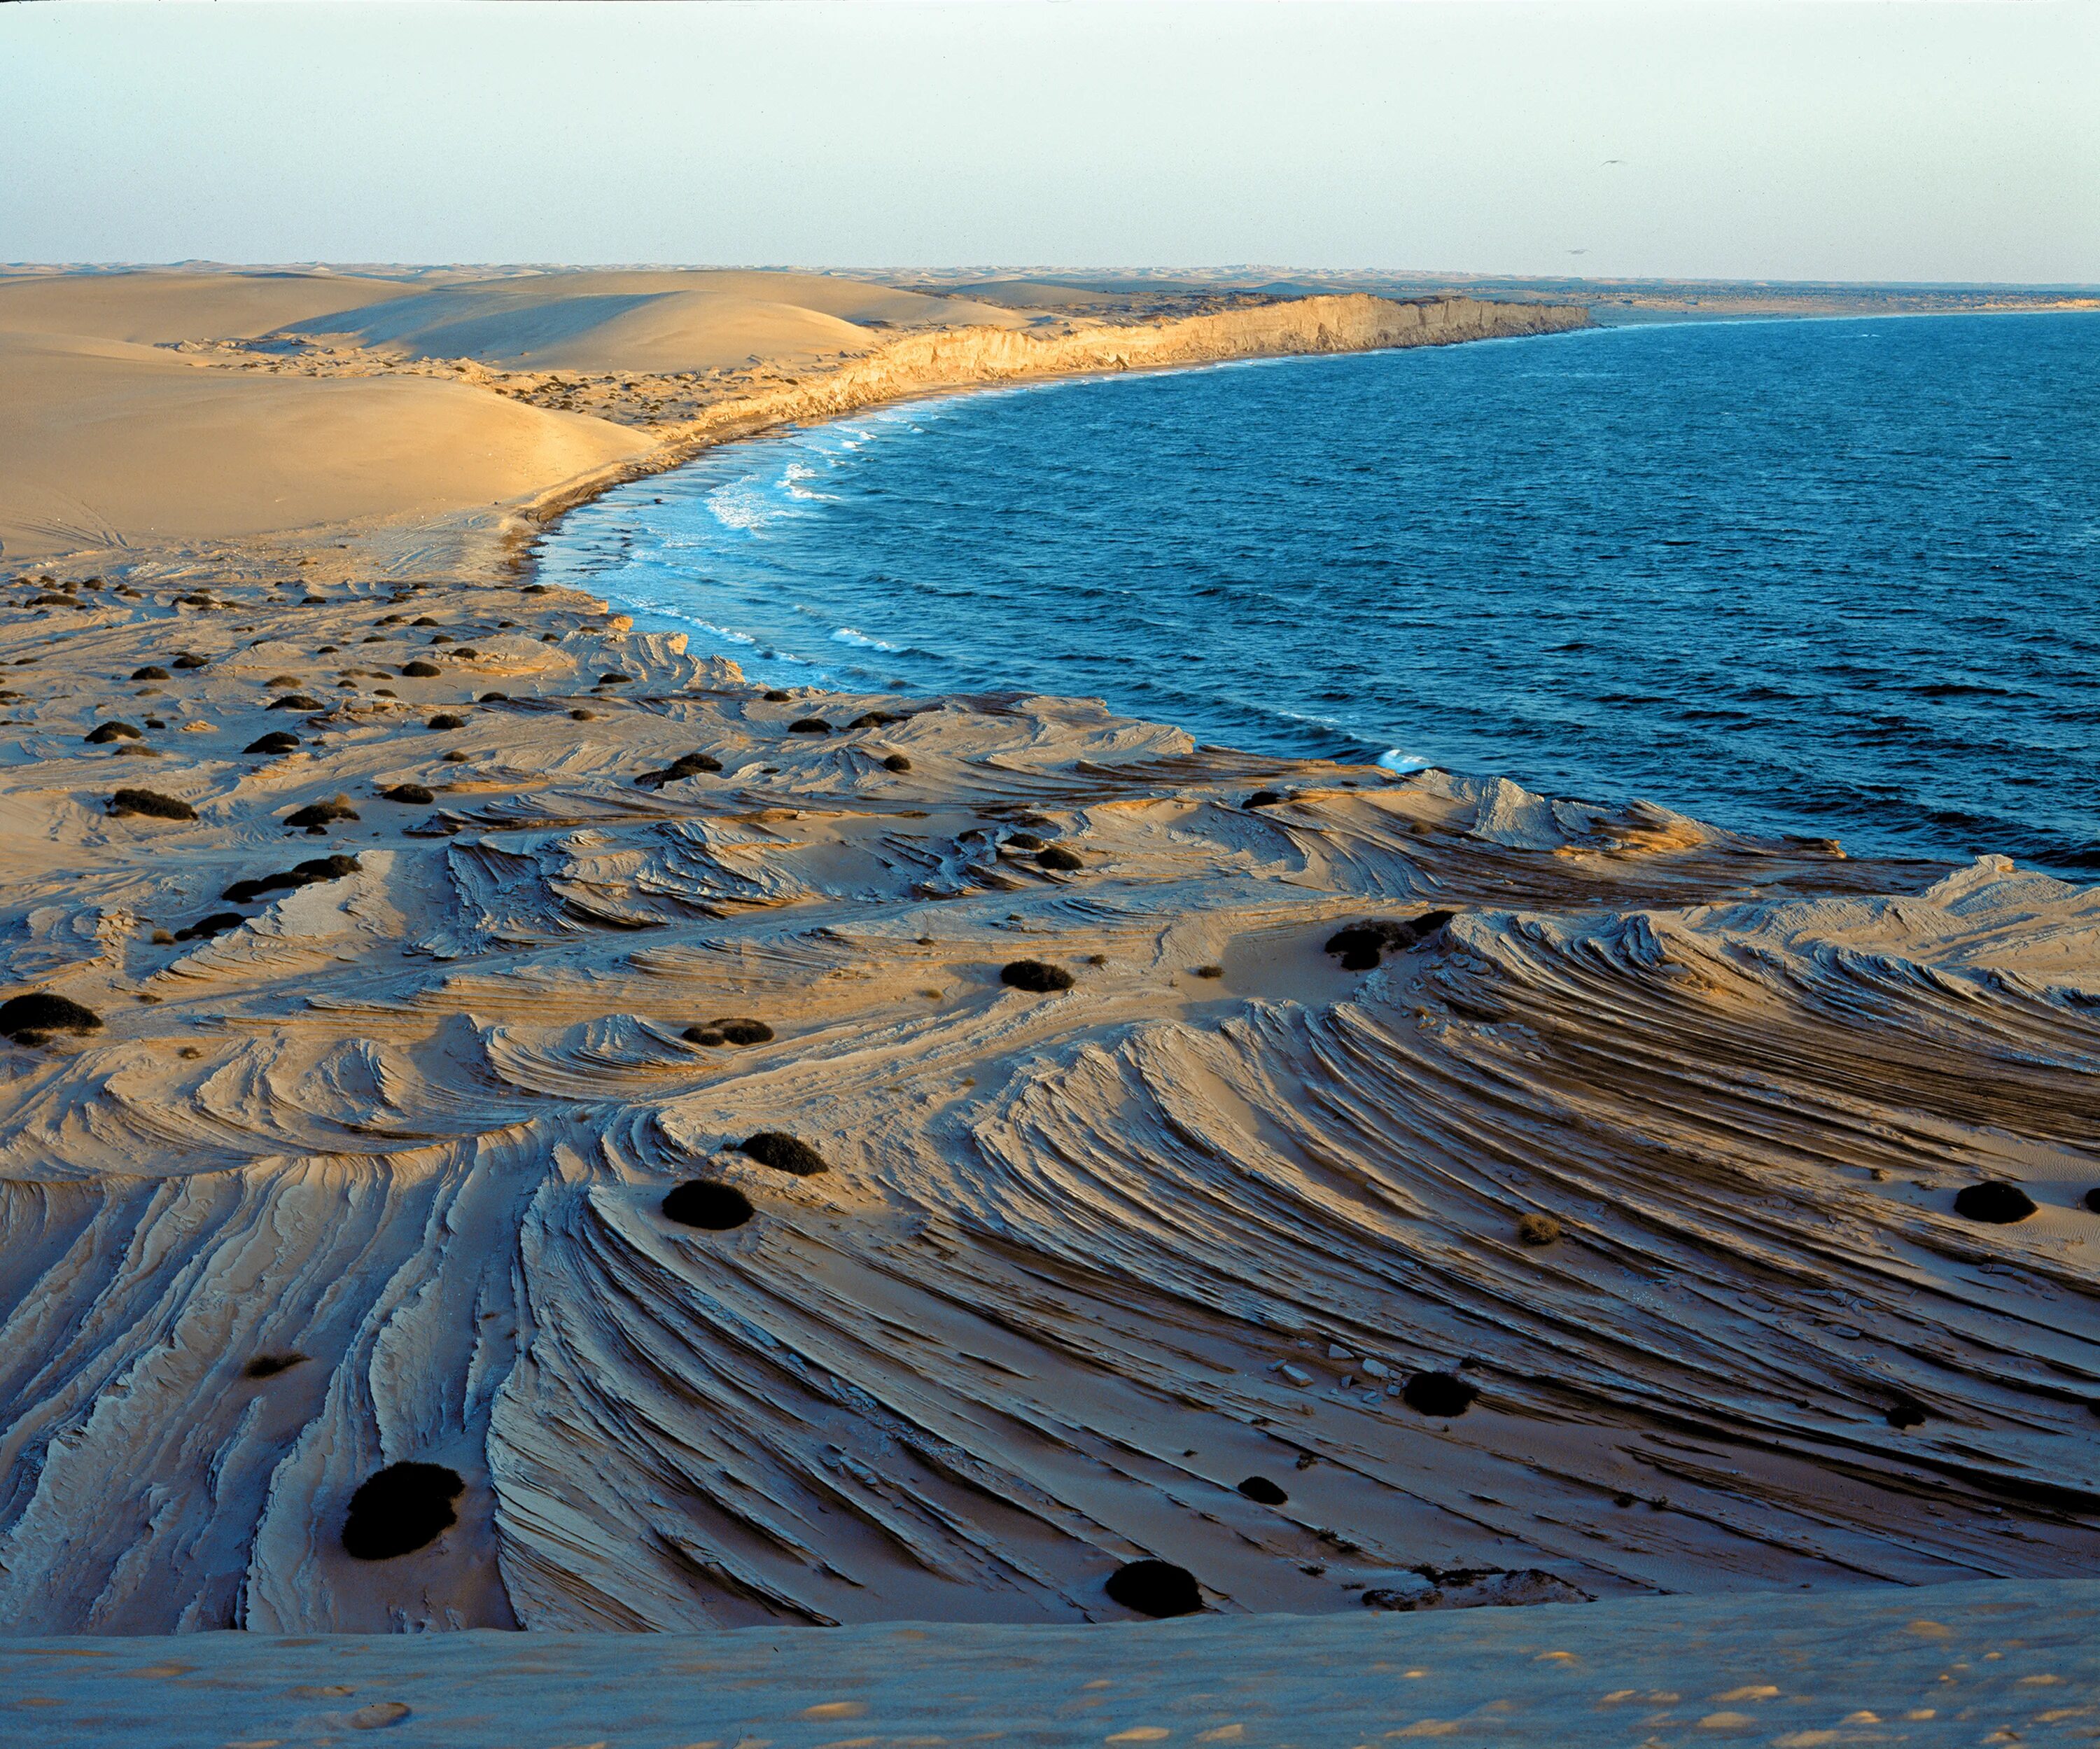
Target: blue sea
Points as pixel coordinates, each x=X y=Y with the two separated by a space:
x=1832 y=577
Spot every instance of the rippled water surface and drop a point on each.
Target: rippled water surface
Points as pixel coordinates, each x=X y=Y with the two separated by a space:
x=1835 y=577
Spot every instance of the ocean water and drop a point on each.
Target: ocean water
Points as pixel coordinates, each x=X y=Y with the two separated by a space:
x=1829 y=577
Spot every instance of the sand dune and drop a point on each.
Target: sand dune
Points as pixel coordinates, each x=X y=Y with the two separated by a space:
x=153 y=306
x=104 y=443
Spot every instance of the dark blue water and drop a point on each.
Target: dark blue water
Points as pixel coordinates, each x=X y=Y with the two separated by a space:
x=1832 y=577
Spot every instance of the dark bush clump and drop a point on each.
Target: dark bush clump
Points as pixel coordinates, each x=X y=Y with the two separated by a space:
x=1260 y=1490
x=1906 y=1412
x=1036 y=975
x=218 y=923
x=402 y=1509
x=705 y=1202
x=874 y=719
x=269 y=1366
x=614 y=680
x=1442 y=1394
x=2092 y=1201
x=1994 y=1202
x=808 y=725
x=321 y=814
x=782 y=1153
x=1264 y=798
x=419 y=669
x=1055 y=856
x=424 y=619
x=1155 y=1587
x=581 y=715
x=149 y=672
x=445 y=719
x=308 y=873
x=276 y=741
x=1023 y=840
x=186 y=659
x=151 y=802
x=684 y=766
x=493 y=698
x=896 y=763
x=733 y=1031
x=40 y=1011
x=1537 y=1230
x=414 y=794
x=105 y=733
x=776 y=696
x=1207 y=971
x=1361 y=944
x=297 y=701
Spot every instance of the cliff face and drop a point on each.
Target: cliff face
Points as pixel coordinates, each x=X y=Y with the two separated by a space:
x=929 y=363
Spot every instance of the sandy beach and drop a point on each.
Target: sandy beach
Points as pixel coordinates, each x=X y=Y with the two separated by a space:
x=1602 y=1221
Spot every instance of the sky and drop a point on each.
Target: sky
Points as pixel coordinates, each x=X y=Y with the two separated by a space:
x=1856 y=140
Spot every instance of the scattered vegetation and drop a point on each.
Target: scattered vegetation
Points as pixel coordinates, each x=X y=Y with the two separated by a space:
x=582 y=715
x=151 y=802
x=1037 y=976
x=189 y=658
x=784 y=1153
x=105 y=733
x=1208 y=971
x=896 y=763
x=733 y=1030
x=492 y=698
x=218 y=923
x=276 y=741
x=1537 y=1230
x=684 y=766
x=1906 y=1412
x=446 y=719
x=776 y=696
x=1264 y=798
x=874 y=719
x=1260 y=1490
x=403 y=1508
x=1441 y=1395
x=297 y=701
x=1155 y=1587
x=413 y=794
x=709 y=1204
x=1056 y=857
x=614 y=679
x=41 y=1011
x=420 y=669
x=808 y=725
x=1994 y=1202
x=1360 y=945
x=149 y=672
x=269 y=1366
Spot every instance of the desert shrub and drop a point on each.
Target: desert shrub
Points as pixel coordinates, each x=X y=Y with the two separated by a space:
x=1207 y=971
x=684 y=766
x=2091 y=1200
x=1037 y=976
x=532 y=589
x=282 y=680
x=276 y=741
x=1260 y=1490
x=782 y=1153
x=614 y=679
x=149 y=672
x=189 y=660
x=494 y=698
x=730 y=1031
x=1441 y=1395
x=403 y=1508
x=581 y=715
x=874 y=719
x=163 y=938
x=776 y=696
x=896 y=763
x=105 y=733
x=424 y=620
x=1905 y=1412
x=1155 y=1587
x=1264 y=798
x=151 y=802
x=456 y=757
x=297 y=701
x=322 y=814
x=308 y=873
x=419 y=669
x=709 y=1204
x=1993 y=1202
x=41 y=1011
x=1361 y=944
x=414 y=794
x=442 y=637
x=135 y=750
x=446 y=719
x=218 y=923
x=1056 y=857
x=269 y=1366
x=1024 y=840
x=1537 y=1230
x=808 y=725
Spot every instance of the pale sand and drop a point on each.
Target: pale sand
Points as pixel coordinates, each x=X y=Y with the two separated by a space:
x=1979 y=1663
x=415 y=1124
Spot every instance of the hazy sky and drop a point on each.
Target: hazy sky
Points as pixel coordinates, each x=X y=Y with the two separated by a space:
x=1862 y=140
